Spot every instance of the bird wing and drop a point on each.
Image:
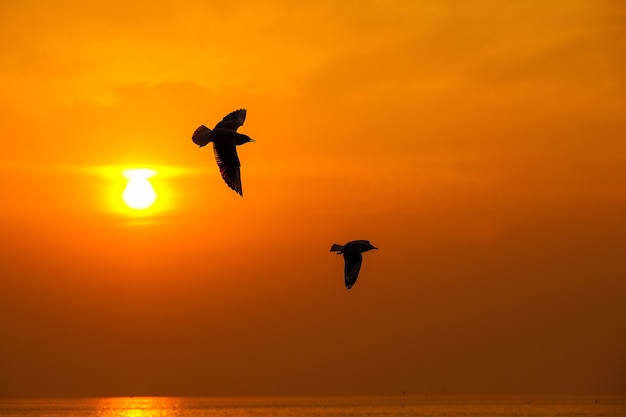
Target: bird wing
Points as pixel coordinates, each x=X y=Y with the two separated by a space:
x=202 y=136
x=228 y=162
x=232 y=121
x=352 y=267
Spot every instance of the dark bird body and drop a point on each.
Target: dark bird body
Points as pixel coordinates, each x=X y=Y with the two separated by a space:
x=352 y=257
x=225 y=140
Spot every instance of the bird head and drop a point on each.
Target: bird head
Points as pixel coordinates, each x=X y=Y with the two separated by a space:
x=241 y=139
x=367 y=247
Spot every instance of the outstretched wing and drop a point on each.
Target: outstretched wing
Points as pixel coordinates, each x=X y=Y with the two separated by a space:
x=232 y=121
x=202 y=136
x=228 y=162
x=352 y=267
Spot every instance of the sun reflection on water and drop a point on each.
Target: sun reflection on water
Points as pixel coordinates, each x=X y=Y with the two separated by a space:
x=139 y=407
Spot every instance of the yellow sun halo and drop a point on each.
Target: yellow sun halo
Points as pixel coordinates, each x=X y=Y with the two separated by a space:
x=139 y=193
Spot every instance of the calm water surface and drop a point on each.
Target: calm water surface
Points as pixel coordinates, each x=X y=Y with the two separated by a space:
x=317 y=407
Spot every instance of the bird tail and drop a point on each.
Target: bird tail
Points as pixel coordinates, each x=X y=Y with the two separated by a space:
x=336 y=248
x=202 y=136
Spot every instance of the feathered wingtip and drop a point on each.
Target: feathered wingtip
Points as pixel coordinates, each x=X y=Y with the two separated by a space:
x=336 y=248
x=202 y=136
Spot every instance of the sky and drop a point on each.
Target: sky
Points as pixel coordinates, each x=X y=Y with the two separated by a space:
x=480 y=145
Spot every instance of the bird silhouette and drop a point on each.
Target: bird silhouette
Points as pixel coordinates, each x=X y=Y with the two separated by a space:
x=225 y=140
x=352 y=257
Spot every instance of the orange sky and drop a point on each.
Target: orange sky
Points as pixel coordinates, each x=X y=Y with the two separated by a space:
x=479 y=144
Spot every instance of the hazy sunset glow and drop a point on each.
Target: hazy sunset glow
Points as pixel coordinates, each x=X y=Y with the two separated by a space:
x=480 y=145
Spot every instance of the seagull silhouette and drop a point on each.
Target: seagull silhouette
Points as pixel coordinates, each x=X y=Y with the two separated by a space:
x=225 y=140
x=352 y=256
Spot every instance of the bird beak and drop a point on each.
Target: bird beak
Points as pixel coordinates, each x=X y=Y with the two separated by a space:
x=374 y=248
x=252 y=140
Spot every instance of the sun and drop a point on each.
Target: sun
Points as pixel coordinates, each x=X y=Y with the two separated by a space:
x=139 y=193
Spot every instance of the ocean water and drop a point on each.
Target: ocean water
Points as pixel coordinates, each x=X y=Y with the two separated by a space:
x=317 y=407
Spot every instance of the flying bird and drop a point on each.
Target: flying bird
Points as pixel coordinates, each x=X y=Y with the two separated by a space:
x=225 y=140
x=352 y=257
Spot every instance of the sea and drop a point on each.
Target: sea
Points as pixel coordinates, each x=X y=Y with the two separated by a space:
x=317 y=407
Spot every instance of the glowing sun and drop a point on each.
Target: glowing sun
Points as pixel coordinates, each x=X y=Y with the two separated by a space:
x=139 y=193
